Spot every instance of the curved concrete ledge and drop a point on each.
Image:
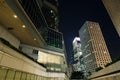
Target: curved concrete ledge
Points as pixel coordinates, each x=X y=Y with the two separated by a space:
x=12 y=59
x=111 y=70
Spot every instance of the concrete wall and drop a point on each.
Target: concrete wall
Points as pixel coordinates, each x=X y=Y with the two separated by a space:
x=12 y=59
x=112 y=68
x=9 y=37
x=29 y=51
x=113 y=8
x=109 y=77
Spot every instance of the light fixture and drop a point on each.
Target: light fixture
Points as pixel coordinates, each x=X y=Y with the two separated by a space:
x=100 y=44
x=23 y=26
x=51 y=11
x=91 y=26
x=15 y=16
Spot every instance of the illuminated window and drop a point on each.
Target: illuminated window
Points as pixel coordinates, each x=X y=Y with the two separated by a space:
x=91 y=26
x=100 y=44
x=48 y=58
x=52 y=68
x=105 y=52
x=57 y=69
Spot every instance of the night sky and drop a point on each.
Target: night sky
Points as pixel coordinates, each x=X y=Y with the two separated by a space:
x=73 y=14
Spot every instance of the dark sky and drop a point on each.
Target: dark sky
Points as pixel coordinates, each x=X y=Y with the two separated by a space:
x=73 y=14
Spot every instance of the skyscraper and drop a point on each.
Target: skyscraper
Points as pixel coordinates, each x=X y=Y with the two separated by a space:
x=44 y=16
x=51 y=35
x=33 y=46
x=113 y=9
x=94 y=49
x=77 y=65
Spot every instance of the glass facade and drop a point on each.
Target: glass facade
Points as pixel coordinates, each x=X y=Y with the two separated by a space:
x=51 y=17
x=53 y=38
x=53 y=62
x=87 y=48
x=50 y=35
x=33 y=11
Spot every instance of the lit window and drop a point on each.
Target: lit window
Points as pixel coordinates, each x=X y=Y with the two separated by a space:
x=48 y=58
x=105 y=52
x=51 y=68
x=91 y=26
x=57 y=69
x=100 y=44
x=34 y=38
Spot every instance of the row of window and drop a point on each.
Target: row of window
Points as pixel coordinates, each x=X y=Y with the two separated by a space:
x=98 y=40
x=103 y=59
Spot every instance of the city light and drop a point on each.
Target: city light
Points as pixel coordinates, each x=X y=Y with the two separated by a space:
x=15 y=16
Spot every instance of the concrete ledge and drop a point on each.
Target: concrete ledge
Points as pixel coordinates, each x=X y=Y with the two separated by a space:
x=112 y=69
x=12 y=59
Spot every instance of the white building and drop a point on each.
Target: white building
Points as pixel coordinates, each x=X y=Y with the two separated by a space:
x=78 y=65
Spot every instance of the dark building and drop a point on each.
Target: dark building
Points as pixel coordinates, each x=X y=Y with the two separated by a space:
x=45 y=19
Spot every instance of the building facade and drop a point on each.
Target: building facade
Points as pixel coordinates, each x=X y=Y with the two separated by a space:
x=78 y=63
x=31 y=47
x=45 y=18
x=94 y=49
x=113 y=9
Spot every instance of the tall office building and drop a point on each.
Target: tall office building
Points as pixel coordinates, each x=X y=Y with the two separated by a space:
x=113 y=8
x=31 y=47
x=44 y=16
x=51 y=35
x=78 y=63
x=94 y=49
